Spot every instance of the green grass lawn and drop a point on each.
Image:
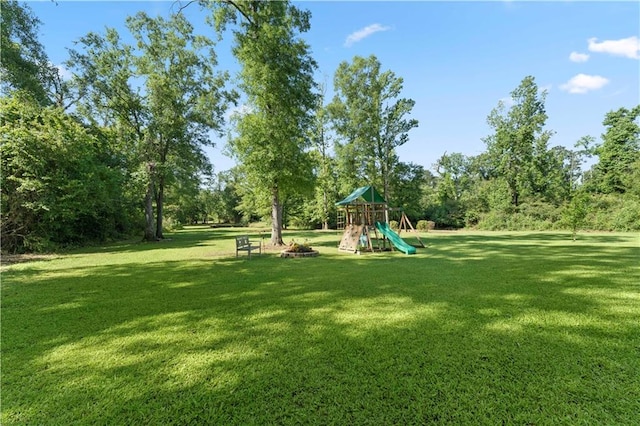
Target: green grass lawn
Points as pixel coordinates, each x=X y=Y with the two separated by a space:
x=477 y=328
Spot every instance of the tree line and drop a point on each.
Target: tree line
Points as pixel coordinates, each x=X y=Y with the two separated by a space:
x=118 y=149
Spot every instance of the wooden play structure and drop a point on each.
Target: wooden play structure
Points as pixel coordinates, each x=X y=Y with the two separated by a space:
x=364 y=216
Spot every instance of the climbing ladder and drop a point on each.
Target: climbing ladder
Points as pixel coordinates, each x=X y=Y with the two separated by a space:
x=341 y=219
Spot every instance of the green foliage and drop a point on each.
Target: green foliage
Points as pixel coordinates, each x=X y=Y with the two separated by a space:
x=406 y=188
x=168 y=122
x=576 y=211
x=23 y=62
x=631 y=181
x=322 y=209
x=519 y=144
x=270 y=138
x=613 y=212
x=425 y=225
x=149 y=108
x=454 y=179
x=619 y=151
x=371 y=120
x=297 y=212
x=627 y=217
x=57 y=188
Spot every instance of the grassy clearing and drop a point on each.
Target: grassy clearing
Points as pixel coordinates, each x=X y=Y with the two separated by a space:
x=479 y=328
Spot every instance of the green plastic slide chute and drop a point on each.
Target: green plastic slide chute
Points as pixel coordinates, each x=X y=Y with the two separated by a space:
x=395 y=239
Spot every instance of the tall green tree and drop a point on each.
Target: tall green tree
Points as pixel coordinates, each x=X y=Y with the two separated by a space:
x=166 y=95
x=454 y=179
x=227 y=197
x=24 y=65
x=519 y=143
x=619 y=150
x=326 y=179
x=104 y=73
x=184 y=94
x=271 y=139
x=371 y=119
x=408 y=181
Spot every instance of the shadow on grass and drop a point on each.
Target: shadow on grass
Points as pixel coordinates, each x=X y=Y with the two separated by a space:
x=470 y=330
x=192 y=236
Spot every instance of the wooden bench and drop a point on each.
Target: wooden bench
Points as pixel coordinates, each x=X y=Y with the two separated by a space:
x=243 y=244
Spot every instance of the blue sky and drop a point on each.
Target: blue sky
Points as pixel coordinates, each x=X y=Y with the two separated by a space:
x=457 y=59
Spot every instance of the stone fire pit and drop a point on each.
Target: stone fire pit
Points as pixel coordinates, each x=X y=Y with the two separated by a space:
x=312 y=253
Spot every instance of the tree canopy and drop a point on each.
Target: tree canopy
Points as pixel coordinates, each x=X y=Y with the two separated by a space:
x=270 y=139
x=370 y=119
x=163 y=92
x=119 y=150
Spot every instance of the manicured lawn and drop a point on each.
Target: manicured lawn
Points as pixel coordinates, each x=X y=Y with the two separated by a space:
x=478 y=328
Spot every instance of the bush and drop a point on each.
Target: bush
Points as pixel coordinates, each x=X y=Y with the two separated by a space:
x=613 y=212
x=425 y=225
x=170 y=224
x=540 y=213
x=393 y=224
x=503 y=221
x=627 y=217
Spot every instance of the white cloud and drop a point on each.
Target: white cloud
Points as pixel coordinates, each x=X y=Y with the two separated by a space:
x=583 y=83
x=628 y=47
x=578 y=57
x=364 y=33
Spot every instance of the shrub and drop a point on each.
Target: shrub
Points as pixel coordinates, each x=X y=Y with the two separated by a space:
x=613 y=212
x=425 y=225
x=627 y=216
x=170 y=224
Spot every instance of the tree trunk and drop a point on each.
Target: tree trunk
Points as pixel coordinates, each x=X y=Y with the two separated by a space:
x=325 y=210
x=160 y=209
x=515 y=198
x=513 y=189
x=149 y=234
x=276 y=218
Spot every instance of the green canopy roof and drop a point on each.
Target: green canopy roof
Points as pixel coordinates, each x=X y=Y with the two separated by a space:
x=367 y=193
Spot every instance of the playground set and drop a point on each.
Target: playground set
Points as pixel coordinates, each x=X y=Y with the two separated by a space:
x=364 y=216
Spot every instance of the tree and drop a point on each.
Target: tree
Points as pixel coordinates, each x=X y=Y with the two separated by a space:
x=163 y=93
x=325 y=187
x=519 y=140
x=454 y=169
x=60 y=181
x=453 y=181
x=619 y=150
x=270 y=139
x=24 y=63
x=575 y=212
x=370 y=118
x=227 y=197
x=408 y=182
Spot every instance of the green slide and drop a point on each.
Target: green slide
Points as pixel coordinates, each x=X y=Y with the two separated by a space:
x=395 y=238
